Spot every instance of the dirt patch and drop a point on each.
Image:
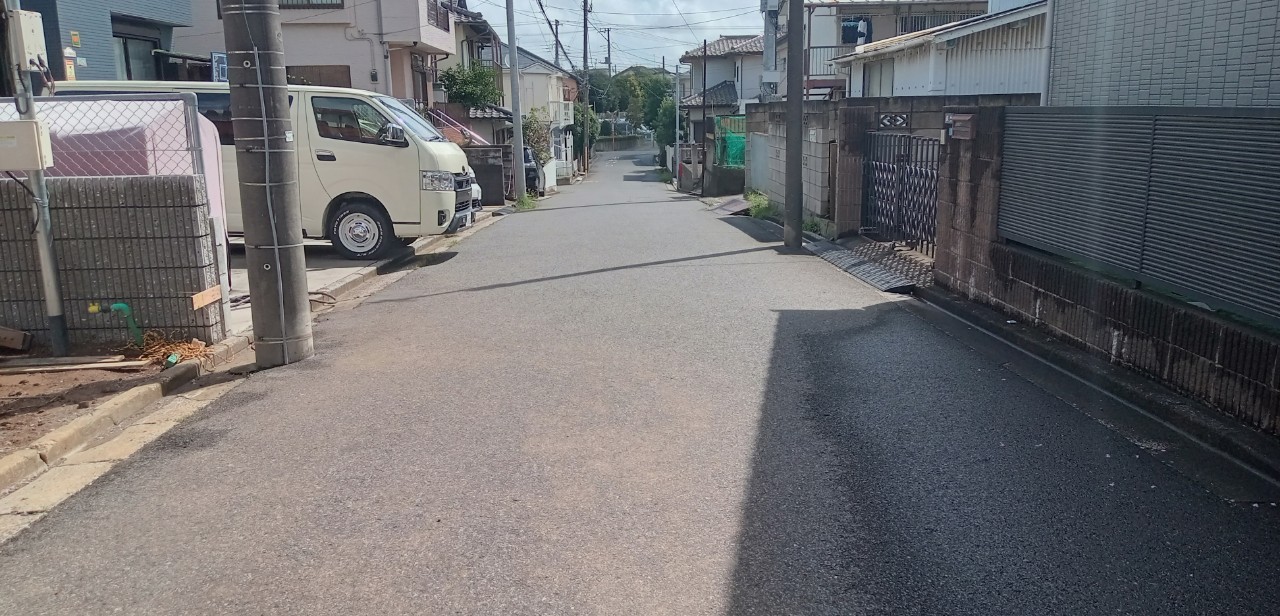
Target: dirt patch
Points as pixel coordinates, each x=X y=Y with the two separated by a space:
x=32 y=405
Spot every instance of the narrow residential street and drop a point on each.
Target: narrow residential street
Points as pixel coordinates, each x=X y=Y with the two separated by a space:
x=620 y=403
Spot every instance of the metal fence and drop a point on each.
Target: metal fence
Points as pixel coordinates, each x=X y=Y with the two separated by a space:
x=901 y=203
x=130 y=214
x=122 y=134
x=1184 y=199
x=731 y=141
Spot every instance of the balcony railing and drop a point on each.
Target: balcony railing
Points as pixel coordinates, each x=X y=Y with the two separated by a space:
x=561 y=112
x=820 y=58
x=311 y=4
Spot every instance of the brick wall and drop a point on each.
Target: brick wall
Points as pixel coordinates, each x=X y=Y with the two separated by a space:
x=142 y=240
x=1231 y=367
x=1166 y=52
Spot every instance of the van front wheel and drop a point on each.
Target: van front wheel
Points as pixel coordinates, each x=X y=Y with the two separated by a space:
x=361 y=230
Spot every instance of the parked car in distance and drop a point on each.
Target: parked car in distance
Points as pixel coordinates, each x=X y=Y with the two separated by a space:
x=370 y=169
x=532 y=174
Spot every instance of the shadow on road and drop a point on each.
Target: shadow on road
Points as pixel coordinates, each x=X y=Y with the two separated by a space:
x=553 y=208
x=756 y=229
x=504 y=285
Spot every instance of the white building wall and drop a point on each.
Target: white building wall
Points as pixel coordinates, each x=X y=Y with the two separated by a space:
x=854 y=83
x=825 y=26
x=750 y=70
x=995 y=6
x=911 y=72
x=1002 y=60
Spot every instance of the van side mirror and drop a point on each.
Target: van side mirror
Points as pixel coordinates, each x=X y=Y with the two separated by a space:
x=393 y=134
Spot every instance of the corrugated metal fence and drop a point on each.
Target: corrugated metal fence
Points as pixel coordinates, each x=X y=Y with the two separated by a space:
x=1184 y=199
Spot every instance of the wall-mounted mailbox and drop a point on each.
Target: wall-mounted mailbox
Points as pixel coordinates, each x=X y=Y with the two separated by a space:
x=960 y=125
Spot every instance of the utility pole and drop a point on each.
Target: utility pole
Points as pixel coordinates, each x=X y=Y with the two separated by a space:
x=517 y=130
x=608 y=53
x=769 y=90
x=555 y=32
x=267 y=164
x=586 y=90
x=794 y=196
x=675 y=158
x=19 y=76
x=702 y=137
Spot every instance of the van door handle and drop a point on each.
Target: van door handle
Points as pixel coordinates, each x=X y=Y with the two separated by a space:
x=325 y=155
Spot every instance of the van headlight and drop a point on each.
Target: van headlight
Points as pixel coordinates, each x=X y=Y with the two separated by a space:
x=437 y=180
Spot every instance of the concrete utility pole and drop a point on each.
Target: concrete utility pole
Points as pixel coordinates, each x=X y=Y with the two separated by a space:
x=608 y=54
x=517 y=130
x=768 y=90
x=702 y=136
x=19 y=76
x=556 y=34
x=675 y=158
x=792 y=234
x=586 y=90
x=267 y=163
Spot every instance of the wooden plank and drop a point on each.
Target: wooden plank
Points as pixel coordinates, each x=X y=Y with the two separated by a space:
x=206 y=297
x=14 y=339
x=59 y=361
x=120 y=365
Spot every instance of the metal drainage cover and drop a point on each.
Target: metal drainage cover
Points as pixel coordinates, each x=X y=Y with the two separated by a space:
x=860 y=268
x=732 y=206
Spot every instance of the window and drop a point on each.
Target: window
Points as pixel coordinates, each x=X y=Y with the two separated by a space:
x=217 y=108
x=855 y=30
x=348 y=119
x=134 y=59
x=311 y=4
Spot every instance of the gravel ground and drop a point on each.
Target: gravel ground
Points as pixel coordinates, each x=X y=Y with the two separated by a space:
x=619 y=403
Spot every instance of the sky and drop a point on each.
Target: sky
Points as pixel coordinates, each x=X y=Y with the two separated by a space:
x=643 y=31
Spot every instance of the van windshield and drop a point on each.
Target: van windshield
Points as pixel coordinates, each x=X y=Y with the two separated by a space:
x=410 y=120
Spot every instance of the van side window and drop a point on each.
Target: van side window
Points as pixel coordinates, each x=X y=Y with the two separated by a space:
x=217 y=108
x=348 y=119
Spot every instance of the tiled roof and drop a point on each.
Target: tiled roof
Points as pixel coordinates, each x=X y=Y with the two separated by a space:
x=723 y=94
x=751 y=45
x=489 y=112
x=720 y=47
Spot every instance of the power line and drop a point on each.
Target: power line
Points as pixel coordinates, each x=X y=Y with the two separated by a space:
x=683 y=18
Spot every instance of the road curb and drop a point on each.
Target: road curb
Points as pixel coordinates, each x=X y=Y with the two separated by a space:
x=1250 y=447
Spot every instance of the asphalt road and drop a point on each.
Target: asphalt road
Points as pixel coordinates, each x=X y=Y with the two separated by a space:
x=619 y=403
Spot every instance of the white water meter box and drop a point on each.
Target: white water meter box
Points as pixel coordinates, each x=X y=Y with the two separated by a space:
x=24 y=146
x=30 y=33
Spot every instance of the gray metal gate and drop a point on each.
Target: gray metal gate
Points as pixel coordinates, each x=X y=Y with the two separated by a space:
x=901 y=203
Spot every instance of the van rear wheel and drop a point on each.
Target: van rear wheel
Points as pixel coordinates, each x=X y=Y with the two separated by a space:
x=361 y=230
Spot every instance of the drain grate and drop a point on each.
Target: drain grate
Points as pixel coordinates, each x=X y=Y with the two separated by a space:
x=869 y=272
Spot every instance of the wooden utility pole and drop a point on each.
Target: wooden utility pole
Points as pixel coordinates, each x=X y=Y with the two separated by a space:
x=267 y=164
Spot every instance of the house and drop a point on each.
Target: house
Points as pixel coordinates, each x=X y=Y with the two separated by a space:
x=730 y=66
x=122 y=39
x=997 y=53
x=387 y=46
x=836 y=27
x=543 y=85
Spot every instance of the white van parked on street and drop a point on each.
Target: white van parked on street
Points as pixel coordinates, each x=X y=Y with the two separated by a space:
x=370 y=169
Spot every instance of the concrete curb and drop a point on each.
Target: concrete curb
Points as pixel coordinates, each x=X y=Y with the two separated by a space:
x=1250 y=447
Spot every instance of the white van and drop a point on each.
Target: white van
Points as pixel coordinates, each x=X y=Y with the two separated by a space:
x=370 y=169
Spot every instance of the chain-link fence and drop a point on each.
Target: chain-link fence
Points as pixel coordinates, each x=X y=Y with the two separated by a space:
x=119 y=134
x=731 y=141
x=130 y=212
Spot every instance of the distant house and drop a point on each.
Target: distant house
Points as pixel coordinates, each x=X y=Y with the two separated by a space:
x=123 y=39
x=995 y=53
x=731 y=67
x=836 y=27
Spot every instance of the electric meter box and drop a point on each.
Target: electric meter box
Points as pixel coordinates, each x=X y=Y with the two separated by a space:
x=24 y=146
x=30 y=39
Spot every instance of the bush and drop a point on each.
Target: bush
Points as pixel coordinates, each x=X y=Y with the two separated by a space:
x=476 y=86
x=760 y=206
x=537 y=134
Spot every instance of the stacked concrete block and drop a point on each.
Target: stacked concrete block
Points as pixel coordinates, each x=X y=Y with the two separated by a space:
x=142 y=240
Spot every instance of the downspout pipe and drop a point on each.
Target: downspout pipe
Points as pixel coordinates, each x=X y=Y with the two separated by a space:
x=386 y=53
x=1047 y=78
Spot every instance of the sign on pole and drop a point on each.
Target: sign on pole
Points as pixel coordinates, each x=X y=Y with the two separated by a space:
x=218 y=66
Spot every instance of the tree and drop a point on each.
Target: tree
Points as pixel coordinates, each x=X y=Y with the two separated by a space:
x=474 y=86
x=582 y=115
x=665 y=131
x=537 y=134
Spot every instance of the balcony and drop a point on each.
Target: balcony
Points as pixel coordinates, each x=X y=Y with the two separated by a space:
x=425 y=22
x=819 y=60
x=561 y=112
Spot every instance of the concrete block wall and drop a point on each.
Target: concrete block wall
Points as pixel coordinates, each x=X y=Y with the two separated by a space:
x=1229 y=366
x=142 y=240
x=1219 y=53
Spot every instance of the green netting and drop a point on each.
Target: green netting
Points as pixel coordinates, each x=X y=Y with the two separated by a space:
x=731 y=141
